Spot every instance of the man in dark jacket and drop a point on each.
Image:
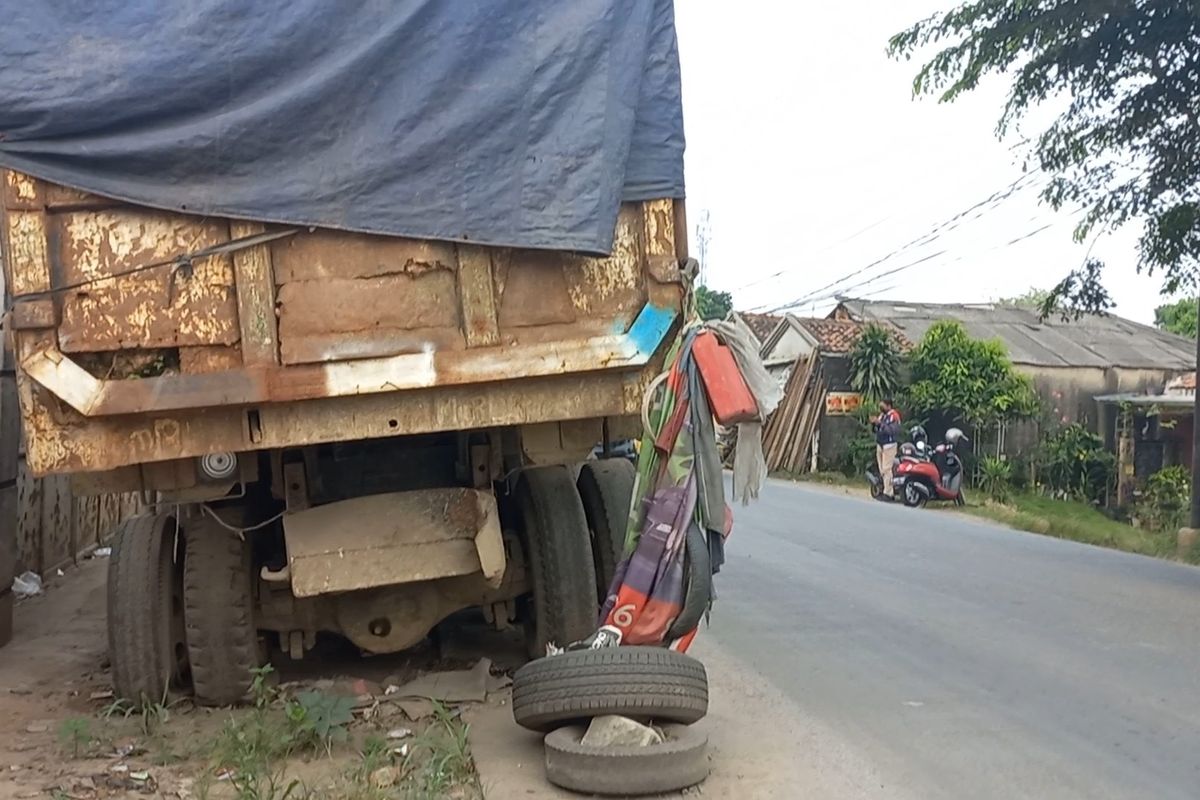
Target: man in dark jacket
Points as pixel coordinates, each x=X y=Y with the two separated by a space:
x=887 y=435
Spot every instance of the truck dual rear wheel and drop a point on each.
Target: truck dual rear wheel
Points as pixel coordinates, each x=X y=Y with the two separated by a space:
x=222 y=642
x=146 y=641
x=554 y=531
x=606 y=488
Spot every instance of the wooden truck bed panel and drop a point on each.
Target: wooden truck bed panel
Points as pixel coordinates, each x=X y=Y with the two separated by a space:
x=314 y=336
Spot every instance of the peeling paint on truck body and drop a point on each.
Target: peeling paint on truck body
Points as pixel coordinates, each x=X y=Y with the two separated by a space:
x=318 y=337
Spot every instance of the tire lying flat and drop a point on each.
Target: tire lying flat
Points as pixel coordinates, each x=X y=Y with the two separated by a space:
x=643 y=683
x=679 y=762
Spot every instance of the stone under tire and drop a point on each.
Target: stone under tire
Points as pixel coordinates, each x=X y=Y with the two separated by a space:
x=558 y=553
x=644 y=683
x=679 y=762
x=606 y=489
x=146 y=642
x=219 y=611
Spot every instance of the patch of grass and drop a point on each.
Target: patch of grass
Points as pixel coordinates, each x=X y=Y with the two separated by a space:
x=253 y=748
x=1067 y=519
x=152 y=715
x=75 y=736
x=446 y=767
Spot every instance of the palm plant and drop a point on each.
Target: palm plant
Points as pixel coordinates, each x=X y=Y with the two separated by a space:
x=875 y=364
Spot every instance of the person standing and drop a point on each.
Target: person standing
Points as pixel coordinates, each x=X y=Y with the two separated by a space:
x=887 y=435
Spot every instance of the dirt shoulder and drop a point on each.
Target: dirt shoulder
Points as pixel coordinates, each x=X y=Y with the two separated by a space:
x=761 y=745
x=326 y=728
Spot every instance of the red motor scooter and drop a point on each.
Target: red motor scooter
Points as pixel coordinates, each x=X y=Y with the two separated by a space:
x=915 y=451
x=917 y=481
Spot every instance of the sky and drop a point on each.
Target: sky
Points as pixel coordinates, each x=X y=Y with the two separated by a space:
x=811 y=160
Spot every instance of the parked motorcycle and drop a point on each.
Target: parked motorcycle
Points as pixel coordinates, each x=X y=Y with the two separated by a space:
x=915 y=450
x=939 y=477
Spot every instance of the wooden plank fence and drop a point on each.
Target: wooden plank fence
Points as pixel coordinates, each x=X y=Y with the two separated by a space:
x=788 y=434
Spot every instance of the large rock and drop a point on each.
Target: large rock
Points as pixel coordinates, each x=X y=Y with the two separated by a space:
x=613 y=731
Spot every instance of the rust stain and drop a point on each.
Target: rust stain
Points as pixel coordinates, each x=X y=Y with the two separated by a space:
x=325 y=254
x=27 y=252
x=461 y=512
x=660 y=227
x=137 y=314
x=535 y=291
x=163 y=307
x=255 y=298
x=21 y=186
x=198 y=360
x=604 y=286
x=395 y=302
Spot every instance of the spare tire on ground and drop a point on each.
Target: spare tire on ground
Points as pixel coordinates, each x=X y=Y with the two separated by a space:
x=679 y=762
x=643 y=683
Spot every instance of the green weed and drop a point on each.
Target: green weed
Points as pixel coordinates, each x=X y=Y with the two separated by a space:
x=75 y=735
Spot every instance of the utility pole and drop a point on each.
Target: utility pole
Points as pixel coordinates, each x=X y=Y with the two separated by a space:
x=1194 y=522
x=703 y=237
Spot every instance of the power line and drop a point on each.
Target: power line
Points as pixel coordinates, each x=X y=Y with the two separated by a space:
x=866 y=282
x=824 y=249
x=936 y=232
x=918 y=262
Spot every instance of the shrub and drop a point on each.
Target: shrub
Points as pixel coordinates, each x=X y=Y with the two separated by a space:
x=1165 y=503
x=1074 y=463
x=967 y=380
x=859 y=455
x=995 y=478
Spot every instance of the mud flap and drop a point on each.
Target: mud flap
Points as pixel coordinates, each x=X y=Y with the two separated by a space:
x=392 y=539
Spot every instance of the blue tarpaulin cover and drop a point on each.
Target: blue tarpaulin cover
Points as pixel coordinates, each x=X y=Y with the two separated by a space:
x=508 y=122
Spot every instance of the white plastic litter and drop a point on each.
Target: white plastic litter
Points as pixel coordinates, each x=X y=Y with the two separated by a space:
x=27 y=584
x=102 y=552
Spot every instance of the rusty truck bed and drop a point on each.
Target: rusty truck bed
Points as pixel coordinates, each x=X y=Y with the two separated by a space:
x=144 y=335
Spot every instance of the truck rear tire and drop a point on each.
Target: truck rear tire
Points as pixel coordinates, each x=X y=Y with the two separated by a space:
x=558 y=551
x=146 y=641
x=219 y=610
x=606 y=488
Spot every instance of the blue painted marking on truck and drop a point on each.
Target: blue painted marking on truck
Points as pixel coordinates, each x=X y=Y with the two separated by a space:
x=650 y=328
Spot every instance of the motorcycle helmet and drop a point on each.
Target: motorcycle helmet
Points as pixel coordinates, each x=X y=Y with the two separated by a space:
x=907 y=449
x=954 y=436
x=917 y=434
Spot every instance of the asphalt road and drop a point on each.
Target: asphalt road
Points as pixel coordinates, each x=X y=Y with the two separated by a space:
x=965 y=660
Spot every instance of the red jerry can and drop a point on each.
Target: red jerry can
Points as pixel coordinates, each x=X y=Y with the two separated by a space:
x=728 y=396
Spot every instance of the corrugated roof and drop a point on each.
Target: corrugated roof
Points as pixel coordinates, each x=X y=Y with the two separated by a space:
x=839 y=336
x=1093 y=341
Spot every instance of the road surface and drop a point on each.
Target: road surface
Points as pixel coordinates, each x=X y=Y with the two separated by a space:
x=964 y=660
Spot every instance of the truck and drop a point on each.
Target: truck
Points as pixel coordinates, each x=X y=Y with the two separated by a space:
x=340 y=431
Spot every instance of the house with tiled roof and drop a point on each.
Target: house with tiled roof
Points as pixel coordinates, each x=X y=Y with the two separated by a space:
x=1083 y=369
x=787 y=338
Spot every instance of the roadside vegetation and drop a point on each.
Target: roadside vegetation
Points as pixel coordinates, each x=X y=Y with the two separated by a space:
x=288 y=745
x=1063 y=486
x=1036 y=512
